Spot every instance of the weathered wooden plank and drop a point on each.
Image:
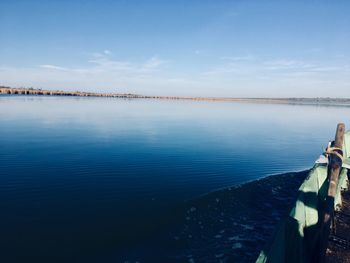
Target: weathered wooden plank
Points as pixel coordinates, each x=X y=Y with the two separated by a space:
x=334 y=167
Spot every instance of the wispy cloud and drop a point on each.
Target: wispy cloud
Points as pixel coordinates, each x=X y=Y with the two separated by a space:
x=104 y=62
x=238 y=58
x=293 y=76
x=200 y=52
x=231 y=76
x=252 y=65
x=153 y=63
x=101 y=62
x=281 y=64
x=107 y=52
x=303 y=67
x=100 y=69
x=53 y=67
x=314 y=50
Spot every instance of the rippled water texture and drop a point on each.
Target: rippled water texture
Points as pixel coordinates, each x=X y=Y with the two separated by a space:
x=89 y=179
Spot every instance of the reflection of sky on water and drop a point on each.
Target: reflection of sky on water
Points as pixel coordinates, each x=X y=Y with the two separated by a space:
x=210 y=144
x=87 y=171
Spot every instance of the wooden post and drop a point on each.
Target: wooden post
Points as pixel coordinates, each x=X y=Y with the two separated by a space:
x=334 y=167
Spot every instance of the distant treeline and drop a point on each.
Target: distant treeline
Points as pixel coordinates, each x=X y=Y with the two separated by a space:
x=306 y=101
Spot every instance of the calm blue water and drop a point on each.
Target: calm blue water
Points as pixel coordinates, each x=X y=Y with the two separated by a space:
x=82 y=178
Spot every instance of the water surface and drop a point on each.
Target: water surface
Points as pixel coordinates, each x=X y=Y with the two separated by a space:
x=91 y=179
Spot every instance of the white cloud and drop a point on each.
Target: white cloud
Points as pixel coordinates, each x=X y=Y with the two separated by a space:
x=238 y=58
x=101 y=63
x=233 y=77
x=202 y=52
x=250 y=64
x=288 y=64
x=280 y=77
x=314 y=50
x=153 y=63
x=101 y=71
x=53 y=67
x=107 y=52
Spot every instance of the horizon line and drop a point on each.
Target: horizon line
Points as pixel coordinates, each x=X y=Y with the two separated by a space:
x=55 y=92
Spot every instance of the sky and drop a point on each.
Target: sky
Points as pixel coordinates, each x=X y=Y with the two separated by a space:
x=191 y=48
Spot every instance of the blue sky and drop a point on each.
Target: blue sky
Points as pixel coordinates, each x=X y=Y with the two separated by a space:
x=203 y=48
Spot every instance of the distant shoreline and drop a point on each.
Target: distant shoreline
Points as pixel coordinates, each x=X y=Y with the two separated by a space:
x=303 y=101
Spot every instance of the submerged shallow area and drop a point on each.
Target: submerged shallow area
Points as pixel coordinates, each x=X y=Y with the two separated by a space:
x=87 y=179
x=234 y=224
